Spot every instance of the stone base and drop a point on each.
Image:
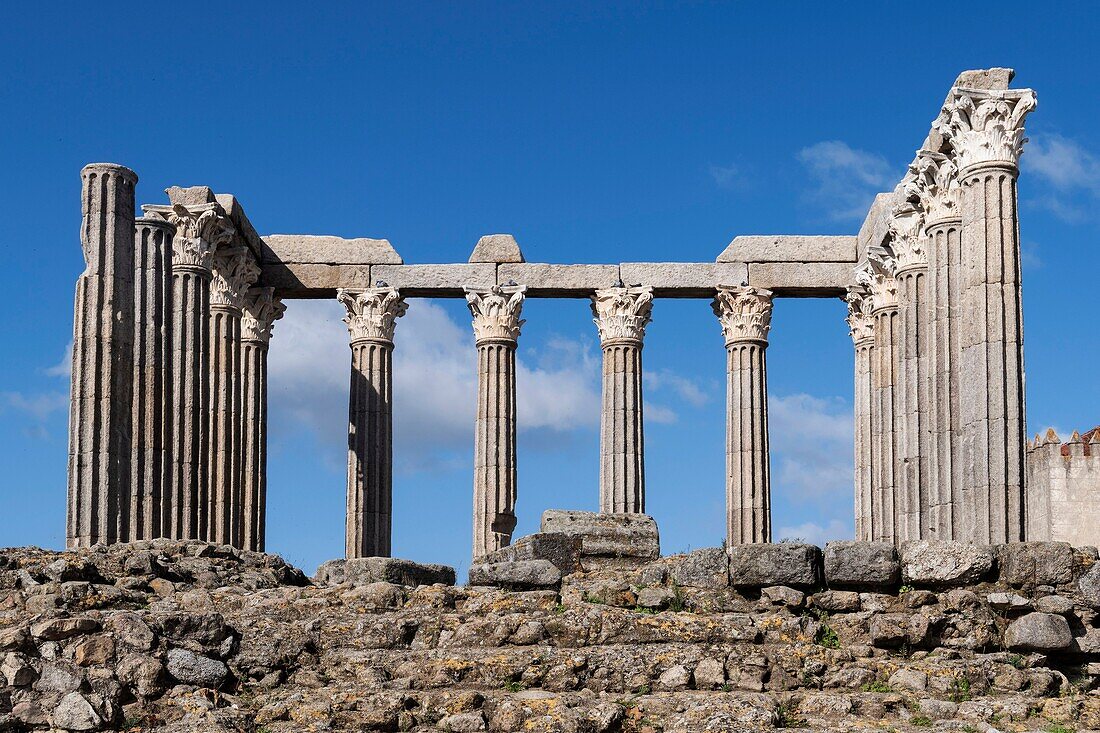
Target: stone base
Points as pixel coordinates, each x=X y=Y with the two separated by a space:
x=366 y=570
x=562 y=550
x=607 y=540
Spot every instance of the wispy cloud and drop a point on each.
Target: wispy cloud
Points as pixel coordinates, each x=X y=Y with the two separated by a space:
x=1070 y=172
x=845 y=179
x=817 y=534
x=685 y=389
x=64 y=367
x=726 y=176
x=36 y=409
x=812 y=452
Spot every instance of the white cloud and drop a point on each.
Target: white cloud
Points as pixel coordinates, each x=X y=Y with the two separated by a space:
x=64 y=367
x=816 y=534
x=725 y=175
x=846 y=179
x=435 y=384
x=37 y=409
x=686 y=389
x=1071 y=173
x=812 y=450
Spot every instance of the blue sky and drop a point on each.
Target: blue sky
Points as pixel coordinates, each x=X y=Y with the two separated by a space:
x=622 y=132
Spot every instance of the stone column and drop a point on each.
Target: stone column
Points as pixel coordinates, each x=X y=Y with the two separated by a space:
x=200 y=229
x=234 y=271
x=913 y=506
x=101 y=416
x=987 y=134
x=151 y=461
x=879 y=277
x=861 y=325
x=939 y=196
x=497 y=324
x=745 y=315
x=371 y=319
x=621 y=315
x=260 y=310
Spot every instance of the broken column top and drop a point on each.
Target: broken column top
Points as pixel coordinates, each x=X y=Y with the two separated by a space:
x=497 y=248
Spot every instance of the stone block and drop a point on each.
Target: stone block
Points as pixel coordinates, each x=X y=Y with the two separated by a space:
x=436 y=280
x=497 y=248
x=836 y=601
x=1038 y=632
x=784 y=563
x=549 y=281
x=246 y=233
x=802 y=279
x=705 y=568
x=1089 y=585
x=516 y=575
x=942 y=564
x=1035 y=563
x=683 y=279
x=562 y=550
x=995 y=78
x=862 y=565
x=326 y=250
x=303 y=280
x=607 y=540
x=365 y=570
x=790 y=248
x=875 y=228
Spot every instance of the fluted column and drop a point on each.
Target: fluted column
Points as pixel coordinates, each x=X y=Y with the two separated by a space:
x=200 y=229
x=260 y=310
x=151 y=461
x=101 y=416
x=987 y=135
x=861 y=325
x=745 y=315
x=621 y=316
x=371 y=319
x=884 y=373
x=496 y=313
x=913 y=505
x=234 y=271
x=939 y=195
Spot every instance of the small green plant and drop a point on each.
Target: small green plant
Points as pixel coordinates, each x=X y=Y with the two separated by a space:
x=679 y=601
x=515 y=686
x=559 y=608
x=876 y=686
x=922 y=721
x=785 y=717
x=727 y=688
x=1058 y=728
x=1017 y=661
x=643 y=690
x=968 y=728
x=641 y=609
x=905 y=589
x=590 y=598
x=826 y=634
x=960 y=689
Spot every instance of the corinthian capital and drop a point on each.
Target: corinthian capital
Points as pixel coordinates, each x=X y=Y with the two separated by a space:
x=861 y=324
x=260 y=310
x=496 y=312
x=936 y=184
x=372 y=313
x=744 y=313
x=235 y=270
x=907 y=237
x=621 y=314
x=877 y=276
x=987 y=126
x=200 y=230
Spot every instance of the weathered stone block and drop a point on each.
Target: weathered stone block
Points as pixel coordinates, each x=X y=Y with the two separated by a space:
x=310 y=249
x=496 y=248
x=607 y=539
x=785 y=563
x=790 y=248
x=816 y=279
x=364 y=570
x=1089 y=585
x=516 y=574
x=862 y=565
x=545 y=280
x=194 y=669
x=306 y=280
x=562 y=550
x=706 y=568
x=414 y=280
x=944 y=563
x=836 y=601
x=1035 y=563
x=683 y=279
x=1039 y=632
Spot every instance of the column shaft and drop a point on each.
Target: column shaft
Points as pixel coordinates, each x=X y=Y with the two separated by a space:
x=224 y=506
x=748 y=473
x=861 y=327
x=151 y=462
x=101 y=416
x=495 y=475
x=883 y=429
x=622 y=441
x=183 y=511
x=914 y=444
x=370 y=446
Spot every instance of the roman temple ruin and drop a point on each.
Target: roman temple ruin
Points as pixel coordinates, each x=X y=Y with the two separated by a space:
x=175 y=311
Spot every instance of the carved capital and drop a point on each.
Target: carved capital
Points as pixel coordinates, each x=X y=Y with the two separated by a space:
x=861 y=324
x=234 y=271
x=877 y=276
x=200 y=230
x=372 y=313
x=496 y=312
x=936 y=185
x=987 y=126
x=621 y=314
x=260 y=309
x=744 y=313
x=907 y=241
